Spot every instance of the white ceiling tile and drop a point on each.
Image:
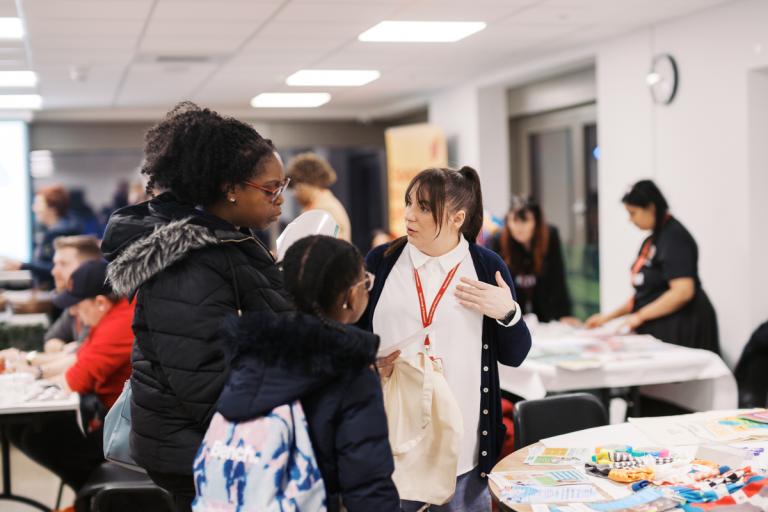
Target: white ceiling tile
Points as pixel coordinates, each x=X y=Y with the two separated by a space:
x=215 y=10
x=308 y=30
x=8 y=9
x=152 y=85
x=199 y=29
x=318 y=11
x=88 y=9
x=50 y=28
x=80 y=56
x=83 y=43
x=190 y=45
x=439 y=10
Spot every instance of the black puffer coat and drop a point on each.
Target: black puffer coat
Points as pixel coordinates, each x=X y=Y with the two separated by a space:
x=278 y=359
x=190 y=270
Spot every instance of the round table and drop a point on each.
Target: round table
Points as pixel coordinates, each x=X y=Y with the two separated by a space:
x=633 y=434
x=515 y=461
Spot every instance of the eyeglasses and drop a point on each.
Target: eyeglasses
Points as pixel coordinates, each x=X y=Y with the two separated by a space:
x=367 y=281
x=273 y=193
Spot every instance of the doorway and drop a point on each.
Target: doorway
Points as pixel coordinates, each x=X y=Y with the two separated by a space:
x=555 y=161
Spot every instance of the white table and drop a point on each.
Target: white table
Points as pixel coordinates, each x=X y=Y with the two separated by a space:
x=564 y=359
x=18 y=411
x=681 y=432
x=15 y=278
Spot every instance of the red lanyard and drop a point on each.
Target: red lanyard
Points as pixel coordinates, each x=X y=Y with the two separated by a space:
x=426 y=318
x=642 y=258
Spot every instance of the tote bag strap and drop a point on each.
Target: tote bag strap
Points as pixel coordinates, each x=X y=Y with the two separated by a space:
x=427 y=393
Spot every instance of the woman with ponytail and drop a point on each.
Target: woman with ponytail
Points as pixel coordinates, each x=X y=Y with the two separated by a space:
x=669 y=301
x=437 y=281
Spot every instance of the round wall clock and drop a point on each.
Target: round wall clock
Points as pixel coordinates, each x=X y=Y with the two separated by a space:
x=663 y=79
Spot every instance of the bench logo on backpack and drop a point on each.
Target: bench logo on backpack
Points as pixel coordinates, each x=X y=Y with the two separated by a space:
x=264 y=464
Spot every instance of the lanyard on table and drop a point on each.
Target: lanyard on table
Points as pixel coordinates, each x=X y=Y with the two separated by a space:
x=428 y=317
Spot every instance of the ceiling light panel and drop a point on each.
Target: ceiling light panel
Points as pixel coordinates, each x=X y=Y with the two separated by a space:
x=11 y=28
x=421 y=31
x=333 y=77
x=20 y=101
x=290 y=99
x=18 y=79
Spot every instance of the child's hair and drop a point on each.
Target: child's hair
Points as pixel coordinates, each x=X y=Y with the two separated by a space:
x=318 y=269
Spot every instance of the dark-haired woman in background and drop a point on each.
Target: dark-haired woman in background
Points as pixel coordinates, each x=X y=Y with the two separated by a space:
x=531 y=249
x=669 y=302
x=190 y=257
x=475 y=322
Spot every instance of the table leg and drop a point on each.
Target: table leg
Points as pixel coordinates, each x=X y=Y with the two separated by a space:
x=7 y=494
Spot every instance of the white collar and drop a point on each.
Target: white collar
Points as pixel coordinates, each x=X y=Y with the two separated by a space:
x=447 y=261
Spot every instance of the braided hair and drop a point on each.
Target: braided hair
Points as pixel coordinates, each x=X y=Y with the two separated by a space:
x=317 y=270
x=196 y=153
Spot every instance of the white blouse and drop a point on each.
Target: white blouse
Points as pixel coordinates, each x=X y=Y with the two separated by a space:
x=455 y=335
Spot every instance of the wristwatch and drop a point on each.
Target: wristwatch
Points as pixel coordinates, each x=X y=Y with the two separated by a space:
x=31 y=355
x=509 y=316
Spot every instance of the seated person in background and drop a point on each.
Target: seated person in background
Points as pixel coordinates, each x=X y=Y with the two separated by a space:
x=531 y=249
x=71 y=252
x=50 y=207
x=100 y=367
x=311 y=180
x=65 y=334
x=315 y=357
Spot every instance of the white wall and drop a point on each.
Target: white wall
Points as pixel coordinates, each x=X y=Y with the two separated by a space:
x=706 y=150
x=758 y=186
x=697 y=149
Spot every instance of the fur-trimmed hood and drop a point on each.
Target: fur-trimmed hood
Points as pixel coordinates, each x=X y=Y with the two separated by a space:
x=278 y=358
x=143 y=240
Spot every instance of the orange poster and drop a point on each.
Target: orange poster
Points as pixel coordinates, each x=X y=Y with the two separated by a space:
x=410 y=149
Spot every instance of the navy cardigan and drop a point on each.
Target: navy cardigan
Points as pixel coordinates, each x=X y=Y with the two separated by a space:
x=505 y=345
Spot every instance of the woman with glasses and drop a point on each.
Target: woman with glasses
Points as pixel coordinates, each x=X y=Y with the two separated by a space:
x=190 y=259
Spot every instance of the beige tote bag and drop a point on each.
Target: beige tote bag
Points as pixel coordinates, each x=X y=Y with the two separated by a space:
x=425 y=430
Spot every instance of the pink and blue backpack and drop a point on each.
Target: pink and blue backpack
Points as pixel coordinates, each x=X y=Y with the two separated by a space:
x=265 y=464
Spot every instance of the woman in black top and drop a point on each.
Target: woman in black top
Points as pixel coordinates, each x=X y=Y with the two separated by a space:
x=531 y=250
x=669 y=302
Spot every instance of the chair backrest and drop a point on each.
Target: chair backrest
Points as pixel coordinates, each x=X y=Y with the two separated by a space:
x=556 y=415
x=115 y=488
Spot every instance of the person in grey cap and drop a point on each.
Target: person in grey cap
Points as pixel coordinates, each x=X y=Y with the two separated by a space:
x=97 y=372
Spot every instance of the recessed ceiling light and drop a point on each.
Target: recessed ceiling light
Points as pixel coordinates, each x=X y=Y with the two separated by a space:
x=20 y=101
x=18 y=79
x=11 y=28
x=333 y=77
x=290 y=99
x=421 y=31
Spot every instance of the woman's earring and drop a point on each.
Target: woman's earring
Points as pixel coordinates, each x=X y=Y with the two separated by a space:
x=232 y=200
x=345 y=306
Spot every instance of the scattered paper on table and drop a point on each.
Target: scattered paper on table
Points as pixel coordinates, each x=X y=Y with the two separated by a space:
x=557 y=456
x=557 y=494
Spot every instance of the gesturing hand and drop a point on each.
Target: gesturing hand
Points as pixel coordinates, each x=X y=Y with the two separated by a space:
x=492 y=301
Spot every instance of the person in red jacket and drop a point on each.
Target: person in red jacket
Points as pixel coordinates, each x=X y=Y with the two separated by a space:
x=99 y=368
